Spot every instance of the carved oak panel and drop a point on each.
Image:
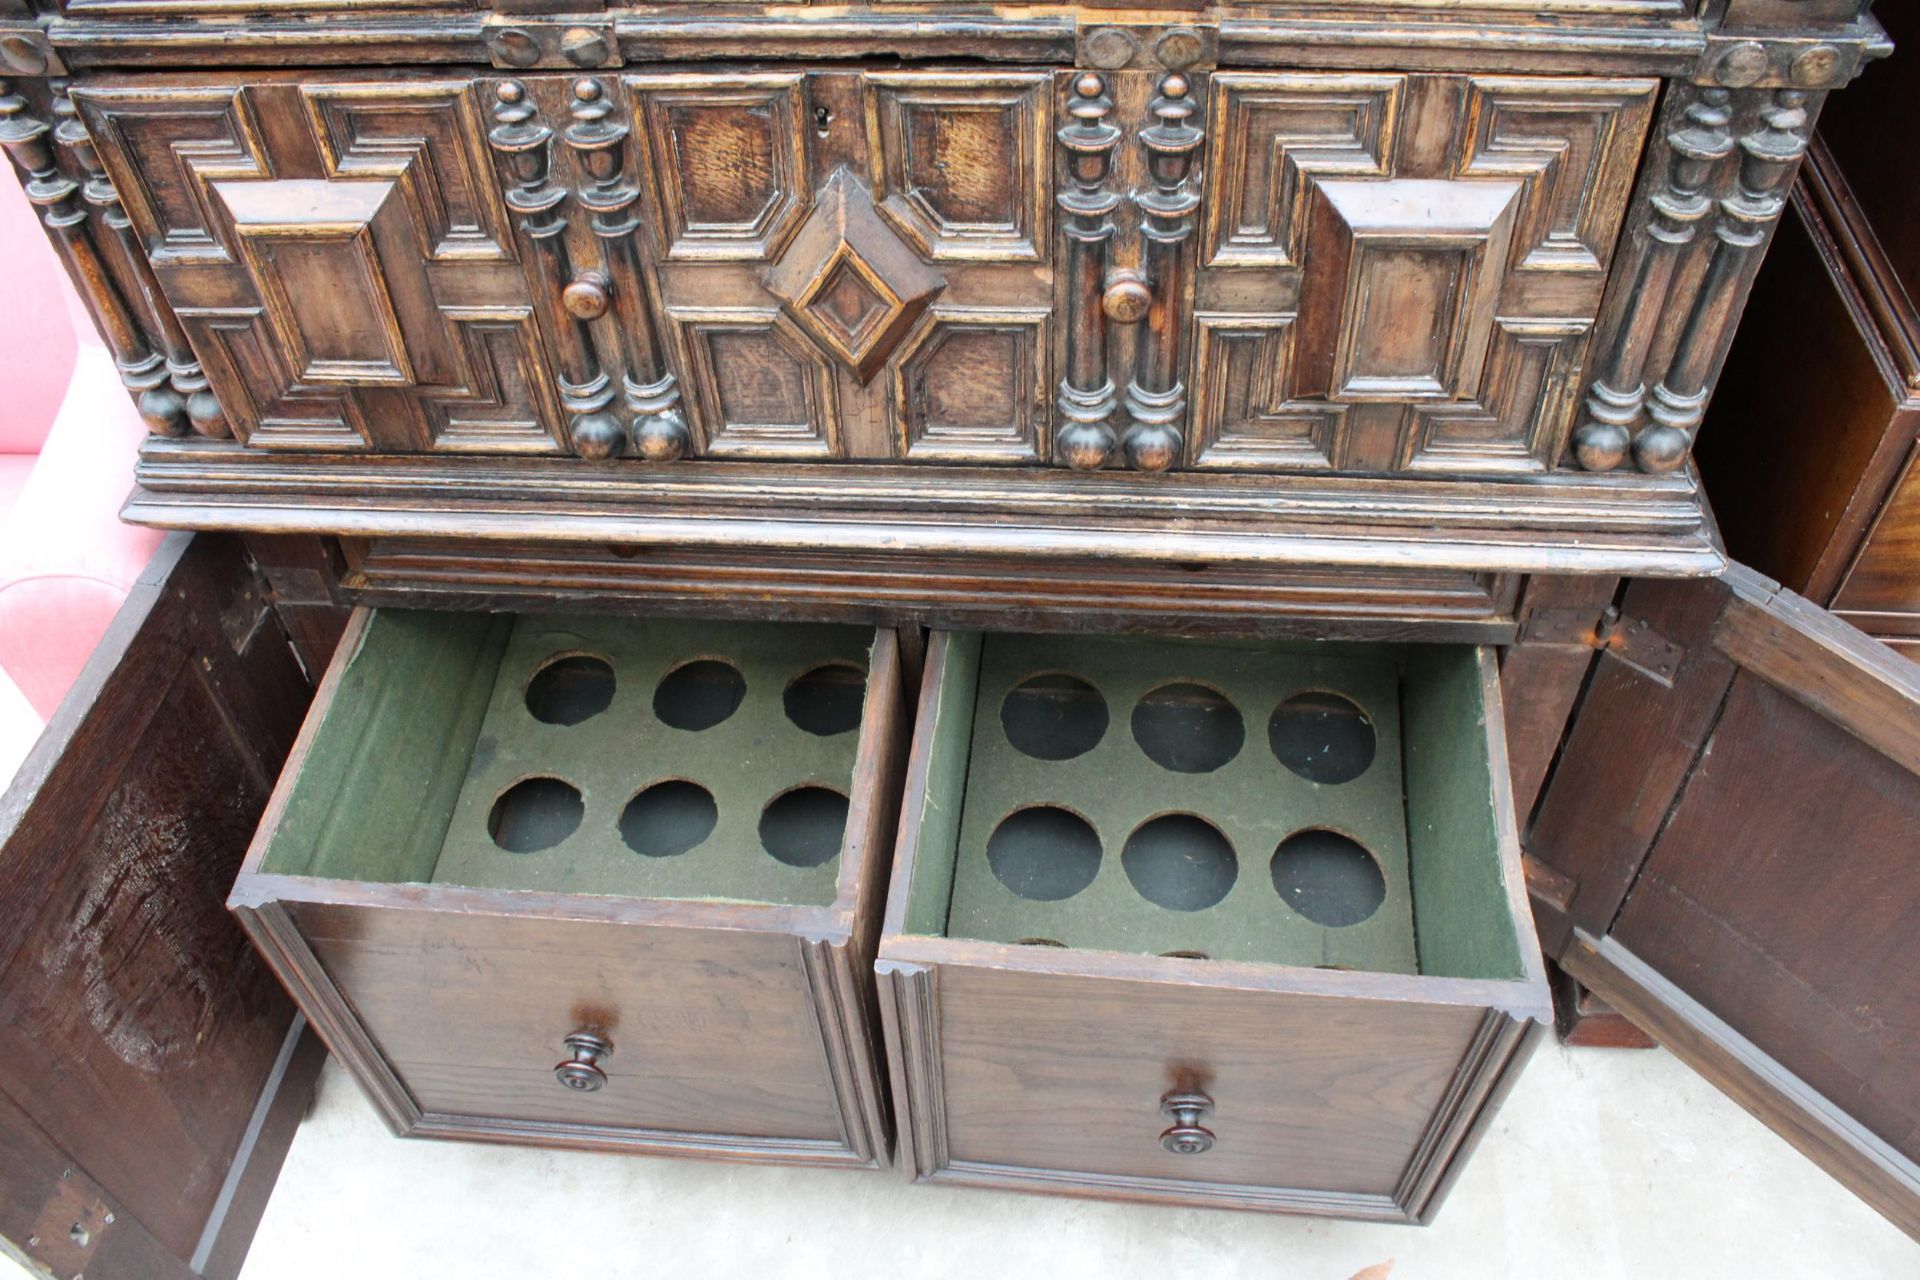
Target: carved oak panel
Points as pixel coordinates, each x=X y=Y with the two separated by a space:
x=1402 y=272
x=853 y=264
x=338 y=255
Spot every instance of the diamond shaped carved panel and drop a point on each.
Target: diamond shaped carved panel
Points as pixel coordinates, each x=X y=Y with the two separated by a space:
x=849 y=281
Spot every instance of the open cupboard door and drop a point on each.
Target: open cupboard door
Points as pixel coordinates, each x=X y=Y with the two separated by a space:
x=152 y=1071
x=1728 y=852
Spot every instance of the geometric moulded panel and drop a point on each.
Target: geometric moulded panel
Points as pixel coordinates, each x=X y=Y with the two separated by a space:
x=309 y=247
x=971 y=386
x=1402 y=277
x=850 y=281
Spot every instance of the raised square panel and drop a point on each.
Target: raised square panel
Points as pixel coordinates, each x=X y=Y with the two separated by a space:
x=162 y=147
x=1272 y=134
x=309 y=246
x=850 y=281
x=1400 y=285
x=505 y=403
x=247 y=370
x=1518 y=423
x=728 y=160
x=1576 y=143
x=959 y=161
x=971 y=387
x=430 y=136
x=759 y=388
x=1241 y=415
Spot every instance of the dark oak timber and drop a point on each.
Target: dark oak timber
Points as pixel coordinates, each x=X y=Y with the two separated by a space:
x=151 y=1069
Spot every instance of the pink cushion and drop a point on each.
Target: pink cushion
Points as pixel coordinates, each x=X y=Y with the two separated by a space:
x=38 y=342
x=66 y=560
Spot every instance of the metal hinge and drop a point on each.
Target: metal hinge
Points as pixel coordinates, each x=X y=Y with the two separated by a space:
x=1629 y=640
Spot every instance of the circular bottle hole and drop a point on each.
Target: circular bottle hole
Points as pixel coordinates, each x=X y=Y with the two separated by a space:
x=1188 y=728
x=570 y=689
x=1038 y=942
x=668 y=818
x=804 y=827
x=1329 y=878
x=1054 y=717
x=1322 y=737
x=828 y=699
x=1179 y=862
x=699 y=695
x=535 y=814
x=1044 y=853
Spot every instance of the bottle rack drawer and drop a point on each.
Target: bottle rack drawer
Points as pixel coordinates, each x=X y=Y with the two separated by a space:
x=593 y=881
x=1216 y=925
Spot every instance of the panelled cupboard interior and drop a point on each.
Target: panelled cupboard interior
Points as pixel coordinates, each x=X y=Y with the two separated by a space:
x=1052 y=597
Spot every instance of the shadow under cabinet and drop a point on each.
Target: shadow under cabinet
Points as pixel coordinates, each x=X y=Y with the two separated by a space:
x=644 y=849
x=1228 y=926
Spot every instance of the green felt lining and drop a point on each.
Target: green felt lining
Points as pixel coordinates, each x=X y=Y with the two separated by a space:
x=1424 y=806
x=384 y=766
x=929 y=897
x=1466 y=927
x=430 y=725
x=1254 y=800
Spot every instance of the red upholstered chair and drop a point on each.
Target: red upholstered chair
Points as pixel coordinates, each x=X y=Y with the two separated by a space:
x=68 y=436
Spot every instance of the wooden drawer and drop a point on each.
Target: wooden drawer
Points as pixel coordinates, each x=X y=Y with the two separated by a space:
x=833 y=264
x=498 y=835
x=1222 y=926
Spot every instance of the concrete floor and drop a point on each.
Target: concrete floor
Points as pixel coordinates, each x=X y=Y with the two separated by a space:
x=1603 y=1164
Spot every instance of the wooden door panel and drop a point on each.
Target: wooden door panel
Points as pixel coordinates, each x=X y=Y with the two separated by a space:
x=140 y=1035
x=831 y=244
x=1742 y=880
x=1759 y=872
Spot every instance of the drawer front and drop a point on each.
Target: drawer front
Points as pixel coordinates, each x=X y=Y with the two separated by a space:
x=1402 y=272
x=1371 y=272
x=1048 y=1074
x=713 y=1032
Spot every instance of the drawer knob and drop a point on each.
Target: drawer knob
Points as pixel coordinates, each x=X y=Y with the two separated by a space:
x=1127 y=298
x=586 y=298
x=582 y=1072
x=1187 y=1136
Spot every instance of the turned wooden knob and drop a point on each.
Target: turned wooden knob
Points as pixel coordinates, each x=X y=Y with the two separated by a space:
x=1126 y=299
x=581 y=1071
x=1187 y=1136
x=586 y=298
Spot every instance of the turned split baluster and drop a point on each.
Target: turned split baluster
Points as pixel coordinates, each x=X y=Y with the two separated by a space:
x=28 y=141
x=652 y=396
x=585 y=389
x=1156 y=400
x=1697 y=140
x=1769 y=156
x=180 y=397
x=1087 y=400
